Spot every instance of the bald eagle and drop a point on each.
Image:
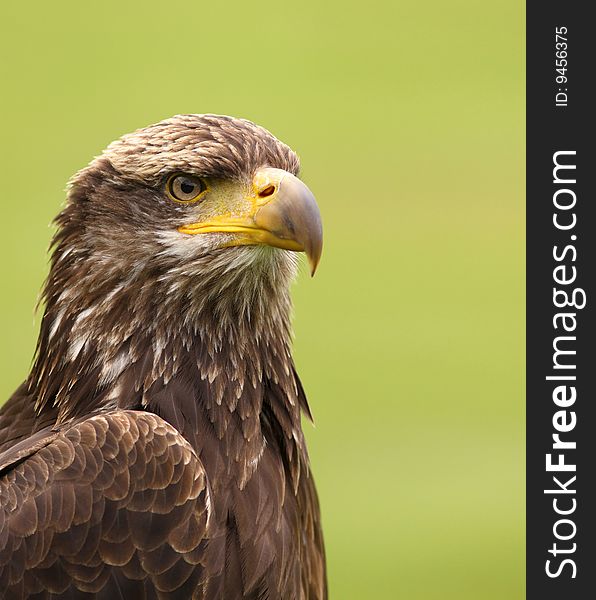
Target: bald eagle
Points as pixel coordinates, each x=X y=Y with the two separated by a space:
x=156 y=448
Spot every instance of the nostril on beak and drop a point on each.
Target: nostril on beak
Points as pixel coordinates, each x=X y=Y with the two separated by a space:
x=267 y=191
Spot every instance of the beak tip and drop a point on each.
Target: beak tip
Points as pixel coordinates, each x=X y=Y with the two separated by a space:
x=313 y=261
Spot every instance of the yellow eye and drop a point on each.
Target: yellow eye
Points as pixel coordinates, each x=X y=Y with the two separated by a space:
x=185 y=188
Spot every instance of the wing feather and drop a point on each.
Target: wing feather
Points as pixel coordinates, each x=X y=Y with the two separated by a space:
x=113 y=501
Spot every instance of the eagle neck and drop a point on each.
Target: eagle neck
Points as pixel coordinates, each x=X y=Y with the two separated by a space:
x=213 y=361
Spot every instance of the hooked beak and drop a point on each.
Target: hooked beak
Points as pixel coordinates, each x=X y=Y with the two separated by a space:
x=283 y=214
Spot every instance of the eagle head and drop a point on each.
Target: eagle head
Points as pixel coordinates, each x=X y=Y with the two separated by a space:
x=193 y=187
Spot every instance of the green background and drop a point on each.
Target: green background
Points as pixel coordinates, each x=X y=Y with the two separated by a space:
x=409 y=120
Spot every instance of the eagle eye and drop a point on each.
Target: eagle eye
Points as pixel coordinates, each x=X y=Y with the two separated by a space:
x=185 y=188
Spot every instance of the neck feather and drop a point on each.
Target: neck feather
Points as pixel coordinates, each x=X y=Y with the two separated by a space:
x=204 y=346
x=207 y=347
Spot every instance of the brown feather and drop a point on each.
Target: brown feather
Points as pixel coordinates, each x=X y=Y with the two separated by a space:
x=156 y=449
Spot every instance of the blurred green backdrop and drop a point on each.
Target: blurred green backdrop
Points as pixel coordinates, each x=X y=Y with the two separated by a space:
x=409 y=120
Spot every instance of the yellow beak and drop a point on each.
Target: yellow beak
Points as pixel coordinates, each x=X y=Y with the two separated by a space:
x=284 y=214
